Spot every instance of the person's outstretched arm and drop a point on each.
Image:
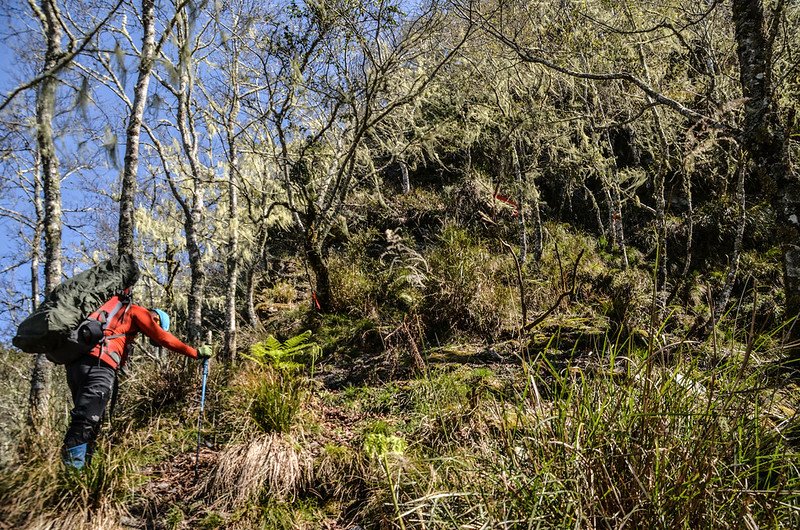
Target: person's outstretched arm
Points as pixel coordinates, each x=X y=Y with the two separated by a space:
x=144 y=321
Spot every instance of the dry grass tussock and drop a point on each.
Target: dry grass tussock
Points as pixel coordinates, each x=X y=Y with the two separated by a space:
x=41 y=495
x=106 y=520
x=274 y=464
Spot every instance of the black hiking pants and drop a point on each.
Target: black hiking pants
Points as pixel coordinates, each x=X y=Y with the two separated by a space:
x=91 y=382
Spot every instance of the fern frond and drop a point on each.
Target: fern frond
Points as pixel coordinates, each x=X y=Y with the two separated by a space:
x=272 y=344
x=298 y=340
x=282 y=355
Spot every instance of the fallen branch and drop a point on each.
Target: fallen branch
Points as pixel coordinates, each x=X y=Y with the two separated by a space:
x=566 y=294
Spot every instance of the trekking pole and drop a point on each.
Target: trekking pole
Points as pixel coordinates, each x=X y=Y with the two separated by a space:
x=200 y=415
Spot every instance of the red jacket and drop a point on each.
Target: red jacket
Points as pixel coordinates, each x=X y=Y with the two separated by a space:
x=123 y=328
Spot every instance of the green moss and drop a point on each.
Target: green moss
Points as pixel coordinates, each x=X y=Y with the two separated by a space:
x=212 y=521
x=174 y=518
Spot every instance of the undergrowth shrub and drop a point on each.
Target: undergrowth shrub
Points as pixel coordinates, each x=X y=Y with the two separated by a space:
x=289 y=356
x=282 y=292
x=150 y=388
x=275 y=385
x=275 y=465
x=471 y=288
x=353 y=274
x=42 y=493
x=353 y=282
x=379 y=274
x=348 y=335
x=14 y=387
x=630 y=298
x=405 y=272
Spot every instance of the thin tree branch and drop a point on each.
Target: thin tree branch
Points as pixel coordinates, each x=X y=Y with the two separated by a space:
x=532 y=57
x=62 y=63
x=566 y=294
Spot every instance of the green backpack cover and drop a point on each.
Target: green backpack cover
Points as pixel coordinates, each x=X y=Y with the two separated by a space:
x=48 y=329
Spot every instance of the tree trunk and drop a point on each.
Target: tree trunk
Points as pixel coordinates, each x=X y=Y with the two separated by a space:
x=36 y=241
x=614 y=201
x=321 y=288
x=129 y=173
x=523 y=229
x=618 y=225
x=233 y=219
x=195 y=299
x=173 y=266
x=404 y=180
x=194 y=217
x=252 y=316
x=763 y=138
x=733 y=268
x=663 y=167
x=45 y=111
x=687 y=189
x=538 y=229
x=37 y=401
x=596 y=207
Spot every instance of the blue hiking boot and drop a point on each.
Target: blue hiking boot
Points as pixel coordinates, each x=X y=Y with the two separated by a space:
x=75 y=457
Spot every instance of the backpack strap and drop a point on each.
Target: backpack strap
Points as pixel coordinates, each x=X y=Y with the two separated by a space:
x=114 y=312
x=126 y=303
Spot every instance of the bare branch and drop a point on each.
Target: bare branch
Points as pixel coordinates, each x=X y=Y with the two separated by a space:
x=65 y=59
x=531 y=56
x=566 y=294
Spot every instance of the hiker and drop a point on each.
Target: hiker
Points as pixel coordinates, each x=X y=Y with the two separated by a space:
x=92 y=377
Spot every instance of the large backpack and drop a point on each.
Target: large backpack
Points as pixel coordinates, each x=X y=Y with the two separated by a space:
x=60 y=327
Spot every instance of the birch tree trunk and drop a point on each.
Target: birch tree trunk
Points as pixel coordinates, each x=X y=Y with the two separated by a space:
x=763 y=137
x=195 y=301
x=37 y=401
x=252 y=317
x=132 y=135
x=36 y=241
x=48 y=15
x=189 y=143
x=233 y=219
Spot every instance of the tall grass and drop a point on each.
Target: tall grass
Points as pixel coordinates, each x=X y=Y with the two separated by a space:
x=41 y=493
x=609 y=449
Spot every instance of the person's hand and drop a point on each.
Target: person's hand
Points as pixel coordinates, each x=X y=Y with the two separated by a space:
x=205 y=352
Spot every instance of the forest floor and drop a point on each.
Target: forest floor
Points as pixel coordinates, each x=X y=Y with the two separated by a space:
x=478 y=436
x=382 y=448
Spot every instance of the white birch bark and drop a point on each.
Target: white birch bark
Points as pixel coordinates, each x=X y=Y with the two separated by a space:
x=133 y=132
